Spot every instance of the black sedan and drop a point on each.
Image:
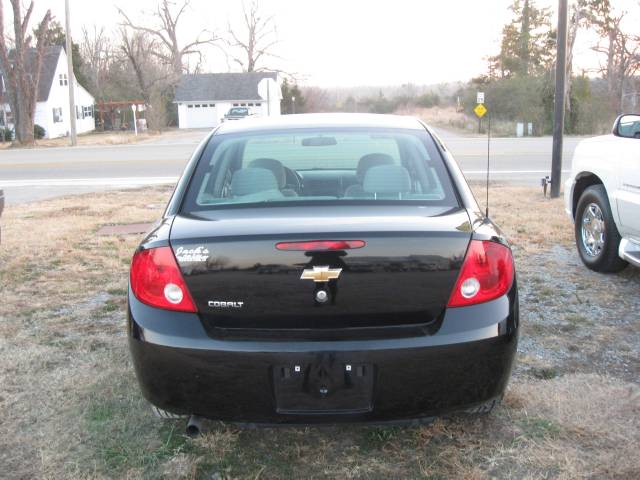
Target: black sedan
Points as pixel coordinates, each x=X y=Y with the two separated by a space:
x=322 y=268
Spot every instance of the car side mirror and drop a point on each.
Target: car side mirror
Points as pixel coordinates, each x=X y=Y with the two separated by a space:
x=627 y=126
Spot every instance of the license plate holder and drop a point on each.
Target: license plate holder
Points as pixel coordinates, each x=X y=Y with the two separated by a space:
x=323 y=386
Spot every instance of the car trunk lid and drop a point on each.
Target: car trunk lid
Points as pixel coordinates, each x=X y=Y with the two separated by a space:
x=240 y=280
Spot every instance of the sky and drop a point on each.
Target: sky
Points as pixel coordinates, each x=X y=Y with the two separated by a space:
x=347 y=42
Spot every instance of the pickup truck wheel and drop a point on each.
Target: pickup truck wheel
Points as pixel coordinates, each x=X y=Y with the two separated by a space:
x=596 y=233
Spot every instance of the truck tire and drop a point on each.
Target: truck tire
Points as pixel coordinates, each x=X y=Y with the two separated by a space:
x=597 y=236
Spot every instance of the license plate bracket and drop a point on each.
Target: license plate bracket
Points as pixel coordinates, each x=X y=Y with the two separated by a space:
x=323 y=386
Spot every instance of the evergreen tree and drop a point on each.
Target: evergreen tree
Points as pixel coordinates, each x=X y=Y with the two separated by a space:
x=289 y=92
x=528 y=42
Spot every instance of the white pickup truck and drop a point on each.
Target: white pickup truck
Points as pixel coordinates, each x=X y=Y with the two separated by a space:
x=602 y=196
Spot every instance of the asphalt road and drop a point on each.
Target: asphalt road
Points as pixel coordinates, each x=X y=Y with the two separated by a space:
x=33 y=174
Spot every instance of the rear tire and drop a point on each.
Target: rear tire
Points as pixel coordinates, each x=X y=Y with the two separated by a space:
x=596 y=234
x=160 y=413
x=485 y=408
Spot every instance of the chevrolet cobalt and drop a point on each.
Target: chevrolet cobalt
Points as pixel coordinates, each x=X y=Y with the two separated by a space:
x=322 y=268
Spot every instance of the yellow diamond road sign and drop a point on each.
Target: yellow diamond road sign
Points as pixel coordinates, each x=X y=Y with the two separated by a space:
x=480 y=110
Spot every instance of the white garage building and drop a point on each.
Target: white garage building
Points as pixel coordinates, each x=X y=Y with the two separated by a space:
x=204 y=98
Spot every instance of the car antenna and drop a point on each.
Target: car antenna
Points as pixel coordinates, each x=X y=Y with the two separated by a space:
x=488 y=164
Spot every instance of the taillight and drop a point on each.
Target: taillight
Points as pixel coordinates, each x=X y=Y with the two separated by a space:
x=320 y=245
x=156 y=280
x=486 y=274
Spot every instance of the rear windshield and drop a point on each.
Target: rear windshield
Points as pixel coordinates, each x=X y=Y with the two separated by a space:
x=319 y=166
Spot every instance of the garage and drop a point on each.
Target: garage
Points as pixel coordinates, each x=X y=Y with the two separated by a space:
x=201 y=115
x=204 y=99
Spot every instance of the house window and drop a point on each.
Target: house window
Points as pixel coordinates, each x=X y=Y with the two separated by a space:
x=57 y=115
x=236 y=105
x=258 y=104
x=87 y=111
x=189 y=106
x=243 y=104
x=63 y=79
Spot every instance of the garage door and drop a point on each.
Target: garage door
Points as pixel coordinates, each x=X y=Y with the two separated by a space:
x=201 y=115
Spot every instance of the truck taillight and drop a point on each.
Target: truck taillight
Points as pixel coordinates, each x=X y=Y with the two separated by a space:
x=487 y=273
x=156 y=280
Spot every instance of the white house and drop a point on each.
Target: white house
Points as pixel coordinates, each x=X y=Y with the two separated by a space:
x=52 y=108
x=204 y=98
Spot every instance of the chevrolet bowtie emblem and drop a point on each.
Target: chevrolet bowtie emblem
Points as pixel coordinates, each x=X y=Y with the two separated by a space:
x=320 y=274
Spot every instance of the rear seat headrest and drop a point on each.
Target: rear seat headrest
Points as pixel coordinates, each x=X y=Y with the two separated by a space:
x=387 y=179
x=369 y=161
x=275 y=166
x=252 y=180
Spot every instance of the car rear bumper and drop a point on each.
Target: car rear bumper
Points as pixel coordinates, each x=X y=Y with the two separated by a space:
x=183 y=370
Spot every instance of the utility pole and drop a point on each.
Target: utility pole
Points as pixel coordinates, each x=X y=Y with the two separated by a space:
x=558 y=122
x=72 y=101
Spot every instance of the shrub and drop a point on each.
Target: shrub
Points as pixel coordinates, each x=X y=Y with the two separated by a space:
x=38 y=132
x=428 y=100
x=6 y=134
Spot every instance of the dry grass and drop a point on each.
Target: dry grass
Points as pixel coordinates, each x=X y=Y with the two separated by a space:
x=450 y=119
x=71 y=407
x=444 y=117
x=93 y=138
x=531 y=221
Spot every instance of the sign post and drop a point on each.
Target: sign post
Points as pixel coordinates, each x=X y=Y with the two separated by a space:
x=480 y=112
x=480 y=102
x=264 y=90
x=135 y=121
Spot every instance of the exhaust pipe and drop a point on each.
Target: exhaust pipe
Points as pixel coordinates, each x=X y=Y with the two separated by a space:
x=194 y=426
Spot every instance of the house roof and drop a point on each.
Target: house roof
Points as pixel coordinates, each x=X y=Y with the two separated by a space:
x=49 y=65
x=220 y=86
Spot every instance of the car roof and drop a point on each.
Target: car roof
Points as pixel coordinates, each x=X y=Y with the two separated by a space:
x=320 y=120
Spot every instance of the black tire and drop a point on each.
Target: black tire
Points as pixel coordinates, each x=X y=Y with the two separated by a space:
x=485 y=408
x=607 y=259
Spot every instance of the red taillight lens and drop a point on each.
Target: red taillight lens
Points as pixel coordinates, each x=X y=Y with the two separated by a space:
x=156 y=280
x=321 y=245
x=487 y=273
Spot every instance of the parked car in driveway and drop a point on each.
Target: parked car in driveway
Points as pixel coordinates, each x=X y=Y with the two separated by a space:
x=602 y=197
x=236 y=113
x=323 y=268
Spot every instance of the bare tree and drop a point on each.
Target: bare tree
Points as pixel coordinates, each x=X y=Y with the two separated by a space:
x=97 y=52
x=255 y=40
x=22 y=67
x=154 y=79
x=317 y=100
x=165 y=33
x=621 y=49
